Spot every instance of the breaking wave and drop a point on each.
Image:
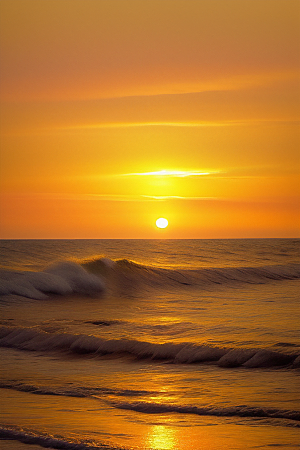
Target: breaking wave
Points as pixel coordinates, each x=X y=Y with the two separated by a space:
x=126 y=270
x=177 y=353
x=94 y=276
x=60 y=279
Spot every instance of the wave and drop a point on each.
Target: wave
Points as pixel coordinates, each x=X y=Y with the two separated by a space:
x=60 y=279
x=178 y=353
x=48 y=441
x=95 y=276
x=75 y=391
x=125 y=272
x=232 y=411
x=110 y=397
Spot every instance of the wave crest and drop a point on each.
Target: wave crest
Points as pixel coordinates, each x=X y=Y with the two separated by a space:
x=177 y=353
x=94 y=276
x=123 y=271
x=238 y=411
x=47 y=441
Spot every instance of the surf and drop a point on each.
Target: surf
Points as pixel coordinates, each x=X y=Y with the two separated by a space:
x=29 y=339
x=98 y=275
x=64 y=278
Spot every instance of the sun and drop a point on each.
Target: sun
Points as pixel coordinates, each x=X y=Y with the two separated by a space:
x=162 y=222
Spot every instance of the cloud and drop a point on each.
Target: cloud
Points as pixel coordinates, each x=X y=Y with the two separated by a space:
x=170 y=173
x=99 y=125
x=100 y=197
x=176 y=197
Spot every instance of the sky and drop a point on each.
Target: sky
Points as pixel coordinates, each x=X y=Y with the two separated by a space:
x=117 y=112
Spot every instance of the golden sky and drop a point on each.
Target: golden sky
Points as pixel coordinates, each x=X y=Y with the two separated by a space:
x=117 y=112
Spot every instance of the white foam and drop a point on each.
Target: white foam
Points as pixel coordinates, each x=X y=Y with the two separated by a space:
x=60 y=279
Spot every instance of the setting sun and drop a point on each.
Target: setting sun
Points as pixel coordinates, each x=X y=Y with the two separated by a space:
x=162 y=222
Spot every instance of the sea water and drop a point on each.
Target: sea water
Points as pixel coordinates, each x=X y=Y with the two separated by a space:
x=150 y=344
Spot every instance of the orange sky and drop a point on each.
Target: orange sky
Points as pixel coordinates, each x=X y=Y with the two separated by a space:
x=117 y=112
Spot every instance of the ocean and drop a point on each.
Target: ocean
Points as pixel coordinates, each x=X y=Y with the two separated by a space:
x=150 y=344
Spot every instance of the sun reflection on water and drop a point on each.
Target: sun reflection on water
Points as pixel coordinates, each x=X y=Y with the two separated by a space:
x=162 y=438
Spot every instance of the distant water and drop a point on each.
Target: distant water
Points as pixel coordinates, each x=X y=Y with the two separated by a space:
x=150 y=344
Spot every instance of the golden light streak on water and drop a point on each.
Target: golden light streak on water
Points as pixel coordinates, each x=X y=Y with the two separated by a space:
x=162 y=437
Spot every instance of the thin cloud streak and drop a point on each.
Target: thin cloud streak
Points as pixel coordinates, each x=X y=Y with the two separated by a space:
x=103 y=197
x=151 y=124
x=169 y=173
x=225 y=123
x=139 y=198
x=177 y=197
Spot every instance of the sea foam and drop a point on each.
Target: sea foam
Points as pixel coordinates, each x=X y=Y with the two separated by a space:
x=60 y=279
